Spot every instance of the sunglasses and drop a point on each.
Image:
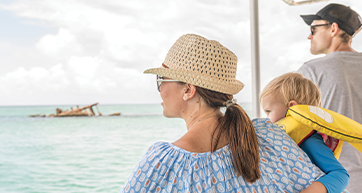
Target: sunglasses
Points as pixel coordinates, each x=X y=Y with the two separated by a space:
x=312 y=27
x=160 y=79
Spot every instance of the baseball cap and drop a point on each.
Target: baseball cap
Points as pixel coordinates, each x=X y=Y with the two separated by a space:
x=346 y=18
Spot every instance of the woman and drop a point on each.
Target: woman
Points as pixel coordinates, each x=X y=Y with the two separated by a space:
x=220 y=152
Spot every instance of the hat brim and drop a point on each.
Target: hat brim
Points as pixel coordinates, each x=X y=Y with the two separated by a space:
x=197 y=79
x=308 y=19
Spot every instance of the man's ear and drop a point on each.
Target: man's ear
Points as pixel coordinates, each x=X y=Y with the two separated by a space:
x=334 y=29
x=292 y=103
x=189 y=91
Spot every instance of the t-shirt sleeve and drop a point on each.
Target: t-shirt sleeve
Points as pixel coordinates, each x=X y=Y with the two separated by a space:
x=336 y=178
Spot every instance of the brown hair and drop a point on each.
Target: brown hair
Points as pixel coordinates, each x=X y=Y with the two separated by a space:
x=293 y=86
x=239 y=131
x=345 y=37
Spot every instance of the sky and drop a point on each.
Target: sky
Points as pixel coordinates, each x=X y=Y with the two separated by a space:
x=77 y=52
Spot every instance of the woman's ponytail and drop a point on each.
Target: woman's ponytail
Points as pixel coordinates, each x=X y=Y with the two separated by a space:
x=241 y=135
x=239 y=131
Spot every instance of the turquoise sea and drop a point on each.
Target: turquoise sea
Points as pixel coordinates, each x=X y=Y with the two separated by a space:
x=78 y=154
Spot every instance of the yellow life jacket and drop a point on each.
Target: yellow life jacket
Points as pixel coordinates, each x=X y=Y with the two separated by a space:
x=302 y=120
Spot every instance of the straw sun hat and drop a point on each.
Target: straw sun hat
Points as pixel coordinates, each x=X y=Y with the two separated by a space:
x=196 y=60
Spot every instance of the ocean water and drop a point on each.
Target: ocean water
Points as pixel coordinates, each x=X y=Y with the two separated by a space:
x=78 y=154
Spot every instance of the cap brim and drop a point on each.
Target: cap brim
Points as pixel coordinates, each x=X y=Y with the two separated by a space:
x=201 y=80
x=308 y=19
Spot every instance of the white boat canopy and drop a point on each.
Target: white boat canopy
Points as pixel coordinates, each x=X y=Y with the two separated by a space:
x=255 y=56
x=300 y=2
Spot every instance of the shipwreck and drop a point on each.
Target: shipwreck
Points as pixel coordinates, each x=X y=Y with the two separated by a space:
x=76 y=112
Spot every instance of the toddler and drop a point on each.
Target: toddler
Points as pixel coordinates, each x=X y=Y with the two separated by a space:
x=292 y=89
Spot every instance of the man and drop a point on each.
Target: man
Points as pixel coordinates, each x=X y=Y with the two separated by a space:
x=338 y=74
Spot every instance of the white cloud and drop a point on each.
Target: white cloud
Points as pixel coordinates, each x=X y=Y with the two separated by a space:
x=54 y=45
x=83 y=66
x=35 y=81
x=100 y=48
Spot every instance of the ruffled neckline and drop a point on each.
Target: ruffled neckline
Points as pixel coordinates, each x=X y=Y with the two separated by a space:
x=226 y=148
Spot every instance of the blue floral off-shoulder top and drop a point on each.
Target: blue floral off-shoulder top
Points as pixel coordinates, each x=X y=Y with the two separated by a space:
x=167 y=168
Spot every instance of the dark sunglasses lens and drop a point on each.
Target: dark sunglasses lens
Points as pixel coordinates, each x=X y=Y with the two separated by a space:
x=158 y=82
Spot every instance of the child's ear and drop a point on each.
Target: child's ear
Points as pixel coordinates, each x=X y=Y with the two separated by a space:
x=292 y=103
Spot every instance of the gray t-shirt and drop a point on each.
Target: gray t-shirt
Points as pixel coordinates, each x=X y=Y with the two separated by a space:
x=339 y=77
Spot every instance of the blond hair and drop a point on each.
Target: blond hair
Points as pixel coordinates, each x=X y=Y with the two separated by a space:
x=293 y=86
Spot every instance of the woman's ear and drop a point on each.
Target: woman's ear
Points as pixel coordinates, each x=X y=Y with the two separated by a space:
x=189 y=91
x=292 y=103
